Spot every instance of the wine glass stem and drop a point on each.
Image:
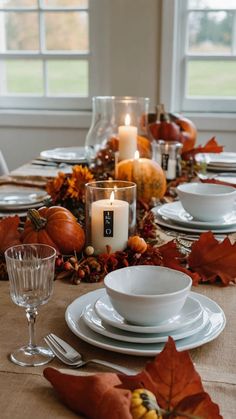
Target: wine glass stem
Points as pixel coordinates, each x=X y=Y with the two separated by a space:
x=31 y=315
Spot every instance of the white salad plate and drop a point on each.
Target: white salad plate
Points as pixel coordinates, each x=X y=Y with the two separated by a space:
x=65 y=154
x=190 y=312
x=174 y=211
x=22 y=198
x=75 y=322
x=94 y=322
x=165 y=222
x=218 y=161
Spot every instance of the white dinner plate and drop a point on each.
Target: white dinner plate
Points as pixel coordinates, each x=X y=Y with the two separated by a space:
x=165 y=222
x=95 y=323
x=75 y=322
x=65 y=154
x=174 y=211
x=22 y=198
x=190 y=312
x=217 y=159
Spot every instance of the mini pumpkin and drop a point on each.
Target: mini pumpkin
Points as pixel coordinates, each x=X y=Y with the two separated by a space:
x=144 y=405
x=55 y=226
x=147 y=174
x=137 y=244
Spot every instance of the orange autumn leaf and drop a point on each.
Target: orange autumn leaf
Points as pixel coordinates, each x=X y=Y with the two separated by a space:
x=9 y=234
x=171 y=377
x=95 y=396
x=213 y=260
x=218 y=182
x=210 y=147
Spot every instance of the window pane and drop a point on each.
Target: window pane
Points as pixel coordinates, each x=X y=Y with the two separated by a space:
x=19 y=31
x=210 y=32
x=66 y=3
x=18 y=3
x=68 y=77
x=211 y=78
x=67 y=31
x=211 y=4
x=23 y=76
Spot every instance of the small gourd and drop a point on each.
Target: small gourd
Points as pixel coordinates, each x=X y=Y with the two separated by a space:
x=137 y=244
x=144 y=405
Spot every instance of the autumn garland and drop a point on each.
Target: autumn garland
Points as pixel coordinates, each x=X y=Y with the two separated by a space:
x=206 y=260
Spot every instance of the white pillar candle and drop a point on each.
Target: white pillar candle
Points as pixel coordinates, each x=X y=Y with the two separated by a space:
x=109 y=224
x=127 y=140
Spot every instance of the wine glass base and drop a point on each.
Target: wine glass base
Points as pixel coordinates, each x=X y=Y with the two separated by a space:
x=32 y=356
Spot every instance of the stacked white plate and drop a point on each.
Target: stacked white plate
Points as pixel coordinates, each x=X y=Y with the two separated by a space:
x=93 y=318
x=18 y=199
x=71 y=155
x=174 y=216
x=225 y=161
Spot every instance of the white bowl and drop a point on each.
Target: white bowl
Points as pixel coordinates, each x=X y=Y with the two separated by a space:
x=147 y=295
x=207 y=201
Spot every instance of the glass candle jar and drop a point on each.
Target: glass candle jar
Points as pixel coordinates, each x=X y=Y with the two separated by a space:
x=110 y=214
x=114 y=117
x=168 y=156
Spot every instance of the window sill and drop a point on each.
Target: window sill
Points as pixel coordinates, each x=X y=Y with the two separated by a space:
x=45 y=119
x=213 y=121
x=82 y=120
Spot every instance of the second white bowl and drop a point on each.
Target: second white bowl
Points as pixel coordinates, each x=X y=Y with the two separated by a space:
x=147 y=295
x=206 y=201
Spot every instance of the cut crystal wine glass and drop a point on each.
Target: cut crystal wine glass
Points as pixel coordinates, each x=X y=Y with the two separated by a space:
x=31 y=273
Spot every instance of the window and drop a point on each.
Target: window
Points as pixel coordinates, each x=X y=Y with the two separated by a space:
x=200 y=54
x=46 y=59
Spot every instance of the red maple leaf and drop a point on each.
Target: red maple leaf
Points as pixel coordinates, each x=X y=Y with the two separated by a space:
x=213 y=260
x=174 y=259
x=210 y=147
x=9 y=234
x=171 y=377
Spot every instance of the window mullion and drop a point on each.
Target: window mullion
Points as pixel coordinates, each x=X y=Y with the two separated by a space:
x=233 y=48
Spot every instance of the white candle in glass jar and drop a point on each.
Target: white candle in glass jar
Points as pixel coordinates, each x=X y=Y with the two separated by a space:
x=127 y=140
x=109 y=224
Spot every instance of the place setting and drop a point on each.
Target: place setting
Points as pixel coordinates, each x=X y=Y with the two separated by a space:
x=201 y=207
x=68 y=155
x=224 y=161
x=138 y=320
x=18 y=199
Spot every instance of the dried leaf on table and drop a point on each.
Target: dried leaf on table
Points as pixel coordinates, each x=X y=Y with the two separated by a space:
x=218 y=182
x=213 y=260
x=174 y=259
x=171 y=377
x=9 y=233
x=210 y=147
x=175 y=383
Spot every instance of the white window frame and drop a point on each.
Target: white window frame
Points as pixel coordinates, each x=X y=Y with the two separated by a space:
x=173 y=68
x=98 y=63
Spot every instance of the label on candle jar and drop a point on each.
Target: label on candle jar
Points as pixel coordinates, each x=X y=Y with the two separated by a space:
x=108 y=223
x=164 y=163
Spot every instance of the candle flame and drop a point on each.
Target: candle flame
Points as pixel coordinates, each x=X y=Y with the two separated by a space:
x=112 y=197
x=136 y=155
x=127 y=119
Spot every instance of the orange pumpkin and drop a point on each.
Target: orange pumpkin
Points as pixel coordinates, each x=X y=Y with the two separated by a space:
x=173 y=127
x=147 y=174
x=144 y=147
x=188 y=131
x=55 y=226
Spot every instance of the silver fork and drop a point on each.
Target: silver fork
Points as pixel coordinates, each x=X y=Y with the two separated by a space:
x=71 y=357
